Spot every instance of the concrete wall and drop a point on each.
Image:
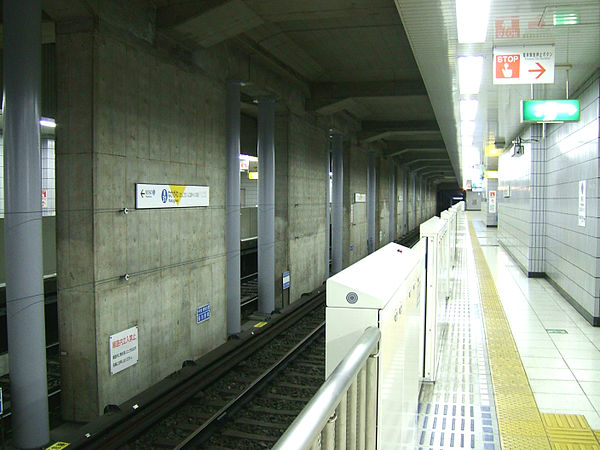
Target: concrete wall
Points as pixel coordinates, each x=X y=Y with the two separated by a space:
x=382 y=220
x=307 y=199
x=572 y=251
x=127 y=116
x=355 y=181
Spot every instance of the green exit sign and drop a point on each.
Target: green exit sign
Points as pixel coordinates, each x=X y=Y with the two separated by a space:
x=549 y=110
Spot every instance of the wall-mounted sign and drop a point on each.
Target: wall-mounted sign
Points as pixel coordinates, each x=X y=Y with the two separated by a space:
x=170 y=196
x=508 y=28
x=490 y=174
x=123 y=349
x=203 y=313
x=244 y=164
x=286 y=279
x=360 y=198
x=582 y=192
x=253 y=175
x=528 y=64
x=550 y=110
x=492 y=202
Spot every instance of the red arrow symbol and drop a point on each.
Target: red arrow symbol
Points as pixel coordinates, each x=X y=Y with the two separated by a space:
x=541 y=70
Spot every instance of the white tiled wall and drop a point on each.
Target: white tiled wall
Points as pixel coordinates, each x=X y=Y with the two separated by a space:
x=538 y=180
x=572 y=251
x=538 y=204
x=48 y=176
x=514 y=205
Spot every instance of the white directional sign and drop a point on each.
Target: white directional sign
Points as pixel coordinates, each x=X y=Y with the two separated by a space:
x=170 y=196
x=529 y=64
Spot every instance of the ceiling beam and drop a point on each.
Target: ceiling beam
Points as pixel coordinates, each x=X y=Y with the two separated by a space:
x=374 y=130
x=327 y=98
x=178 y=13
x=411 y=161
x=416 y=147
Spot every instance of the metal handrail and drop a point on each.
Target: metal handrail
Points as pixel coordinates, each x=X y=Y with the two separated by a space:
x=319 y=414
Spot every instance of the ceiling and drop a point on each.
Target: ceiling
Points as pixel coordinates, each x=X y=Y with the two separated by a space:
x=389 y=64
x=432 y=30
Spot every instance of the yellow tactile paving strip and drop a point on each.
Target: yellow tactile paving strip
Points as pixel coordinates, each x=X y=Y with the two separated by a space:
x=520 y=423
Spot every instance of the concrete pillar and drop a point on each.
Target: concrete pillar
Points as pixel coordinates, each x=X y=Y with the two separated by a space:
x=337 y=205
x=266 y=205
x=393 y=200
x=414 y=199
x=371 y=202
x=420 y=200
x=232 y=213
x=23 y=223
x=405 y=179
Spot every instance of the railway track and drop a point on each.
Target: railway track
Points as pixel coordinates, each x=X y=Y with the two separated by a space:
x=210 y=405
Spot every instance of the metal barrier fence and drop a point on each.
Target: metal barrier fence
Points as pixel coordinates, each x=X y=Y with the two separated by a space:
x=343 y=412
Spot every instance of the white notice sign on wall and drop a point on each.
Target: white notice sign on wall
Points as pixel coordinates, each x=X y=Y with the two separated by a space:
x=582 y=189
x=170 y=196
x=492 y=202
x=123 y=349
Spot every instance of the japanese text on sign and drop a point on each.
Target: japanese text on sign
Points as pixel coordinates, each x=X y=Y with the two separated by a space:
x=203 y=313
x=123 y=349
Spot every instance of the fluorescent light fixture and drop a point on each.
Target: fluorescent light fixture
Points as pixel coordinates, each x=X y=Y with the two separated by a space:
x=47 y=122
x=467 y=128
x=468 y=109
x=472 y=20
x=470 y=69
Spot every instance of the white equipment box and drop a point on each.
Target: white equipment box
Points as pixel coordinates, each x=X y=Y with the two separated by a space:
x=382 y=290
x=435 y=234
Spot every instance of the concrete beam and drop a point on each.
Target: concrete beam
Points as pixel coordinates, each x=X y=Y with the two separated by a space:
x=327 y=98
x=416 y=147
x=178 y=13
x=380 y=129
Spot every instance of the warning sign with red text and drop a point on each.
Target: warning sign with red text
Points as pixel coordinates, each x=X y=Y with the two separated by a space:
x=529 y=64
x=123 y=349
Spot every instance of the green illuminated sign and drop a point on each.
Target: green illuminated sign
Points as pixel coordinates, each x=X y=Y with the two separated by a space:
x=549 y=110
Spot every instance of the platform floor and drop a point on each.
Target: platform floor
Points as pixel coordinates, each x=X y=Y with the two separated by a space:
x=555 y=367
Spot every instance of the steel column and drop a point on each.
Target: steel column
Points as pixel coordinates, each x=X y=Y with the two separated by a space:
x=266 y=205
x=371 y=203
x=337 y=205
x=393 y=202
x=23 y=223
x=232 y=211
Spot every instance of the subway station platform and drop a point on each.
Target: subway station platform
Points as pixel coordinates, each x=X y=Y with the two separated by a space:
x=520 y=368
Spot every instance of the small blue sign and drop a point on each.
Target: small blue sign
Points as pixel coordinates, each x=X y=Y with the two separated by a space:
x=203 y=313
x=1 y=403
x=164 y=196
x=351 y=247
x=286 y=280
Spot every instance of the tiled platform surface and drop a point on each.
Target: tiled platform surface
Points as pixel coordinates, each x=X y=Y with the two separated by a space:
x=458 y=411
x=559 y=349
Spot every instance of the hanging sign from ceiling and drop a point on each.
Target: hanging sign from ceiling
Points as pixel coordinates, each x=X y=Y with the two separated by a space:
x=528 y=64
x=550 y=110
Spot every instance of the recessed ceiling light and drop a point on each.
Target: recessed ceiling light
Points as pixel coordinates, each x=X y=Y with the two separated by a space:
x=470 y=69
x=472 y=20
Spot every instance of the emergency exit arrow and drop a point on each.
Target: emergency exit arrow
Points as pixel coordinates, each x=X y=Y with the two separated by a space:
x=541 y=70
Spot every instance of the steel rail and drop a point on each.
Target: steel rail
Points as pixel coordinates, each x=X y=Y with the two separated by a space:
x=134 y=417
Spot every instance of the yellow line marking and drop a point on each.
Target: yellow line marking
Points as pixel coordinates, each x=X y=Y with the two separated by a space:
x=260 y=324
x=520 y=423
x=58 y=445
